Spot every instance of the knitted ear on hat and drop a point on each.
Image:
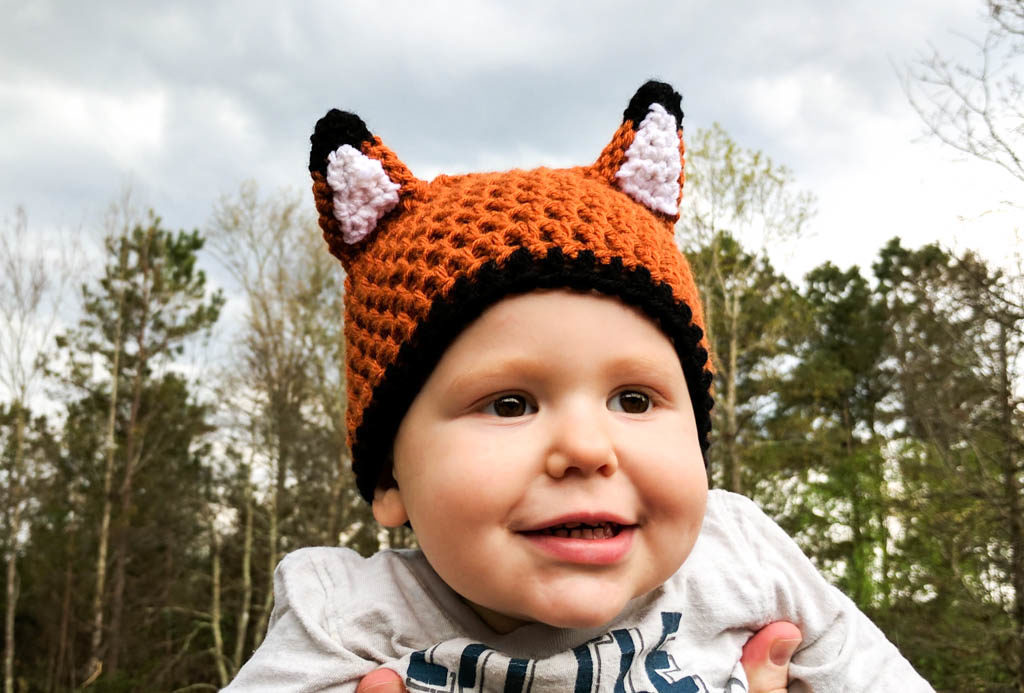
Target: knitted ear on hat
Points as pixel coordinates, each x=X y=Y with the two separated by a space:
x=646 y=160
x=356 y=181
x=645 y=157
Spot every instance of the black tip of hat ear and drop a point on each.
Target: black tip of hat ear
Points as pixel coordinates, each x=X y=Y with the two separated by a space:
x=654 y=92
x=333 y=130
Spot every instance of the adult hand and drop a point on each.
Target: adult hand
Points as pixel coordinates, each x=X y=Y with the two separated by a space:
x=765 y=660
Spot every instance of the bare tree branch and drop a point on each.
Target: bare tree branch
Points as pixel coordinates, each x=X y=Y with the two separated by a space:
x=977 y=108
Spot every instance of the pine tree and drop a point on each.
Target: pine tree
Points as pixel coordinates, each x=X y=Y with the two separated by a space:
x=149 y=302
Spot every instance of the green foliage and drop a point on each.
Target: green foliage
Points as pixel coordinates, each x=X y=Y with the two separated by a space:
x=957 y=329
x=881 y=424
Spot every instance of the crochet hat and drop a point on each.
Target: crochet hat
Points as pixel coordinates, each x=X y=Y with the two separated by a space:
x=424 y=259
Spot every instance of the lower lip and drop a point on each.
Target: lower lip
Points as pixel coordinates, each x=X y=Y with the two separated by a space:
x=584 y=551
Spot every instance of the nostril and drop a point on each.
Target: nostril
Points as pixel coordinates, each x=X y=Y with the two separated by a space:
x=582 y=458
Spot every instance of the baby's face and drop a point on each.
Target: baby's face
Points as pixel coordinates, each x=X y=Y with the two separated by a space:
x=550 y=465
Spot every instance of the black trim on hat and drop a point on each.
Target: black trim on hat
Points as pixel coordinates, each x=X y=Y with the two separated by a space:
x=333 y=130
x=471 y=296
x=654 y=92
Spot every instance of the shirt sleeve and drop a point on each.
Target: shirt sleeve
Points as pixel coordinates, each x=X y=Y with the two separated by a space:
x=842 y=649
x=302 y=650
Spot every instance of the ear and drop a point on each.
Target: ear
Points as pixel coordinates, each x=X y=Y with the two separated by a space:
x=388 y=508
x=645 y=157
x=356 y=179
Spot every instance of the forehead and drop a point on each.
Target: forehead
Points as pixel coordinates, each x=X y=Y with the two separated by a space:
x=545 y=324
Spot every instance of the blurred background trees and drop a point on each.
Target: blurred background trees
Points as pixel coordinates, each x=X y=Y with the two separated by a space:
x=149 y=492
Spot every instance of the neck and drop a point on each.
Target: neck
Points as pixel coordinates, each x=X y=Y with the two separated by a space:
x=499 y=623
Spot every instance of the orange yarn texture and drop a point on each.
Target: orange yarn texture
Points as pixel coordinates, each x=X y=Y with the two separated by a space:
x=450 y=227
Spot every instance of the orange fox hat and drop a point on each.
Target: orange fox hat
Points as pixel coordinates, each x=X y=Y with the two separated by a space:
x=425 y=259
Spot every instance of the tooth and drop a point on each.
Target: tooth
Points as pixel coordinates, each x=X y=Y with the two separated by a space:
x=561 y=532
x=587 y=533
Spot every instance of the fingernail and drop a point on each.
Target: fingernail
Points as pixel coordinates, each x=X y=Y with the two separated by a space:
x=782 y=650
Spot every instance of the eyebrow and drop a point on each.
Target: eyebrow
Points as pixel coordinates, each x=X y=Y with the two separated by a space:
x=502 y=369
x=658 y=373
x=639 y=367
x=642 y=365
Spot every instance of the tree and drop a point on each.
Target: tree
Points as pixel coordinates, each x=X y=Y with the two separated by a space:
x=738 y=196
x=31 y=288
x=288 y=397
x=150 y=300
x=835 y=394
x=957 y=339
x=977 y=108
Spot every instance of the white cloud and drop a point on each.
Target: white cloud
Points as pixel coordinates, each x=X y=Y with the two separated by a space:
x=126 y=127
x=190 y=99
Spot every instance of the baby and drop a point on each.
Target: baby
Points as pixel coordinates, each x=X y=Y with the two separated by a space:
x=529 y=389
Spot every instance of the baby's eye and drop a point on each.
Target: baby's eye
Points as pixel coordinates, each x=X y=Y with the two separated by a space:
x=630 y=402
x=510 y=405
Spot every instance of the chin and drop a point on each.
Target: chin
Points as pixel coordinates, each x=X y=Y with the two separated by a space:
x=581 y=618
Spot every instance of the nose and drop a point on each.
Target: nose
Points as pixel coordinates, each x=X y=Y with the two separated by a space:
x=581 y=444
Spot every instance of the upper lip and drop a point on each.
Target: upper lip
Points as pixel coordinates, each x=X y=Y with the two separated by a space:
x=584 y=518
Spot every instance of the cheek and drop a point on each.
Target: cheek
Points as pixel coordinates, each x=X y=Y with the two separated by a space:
x=677 y=505
x=675 y=480
x=461 y=474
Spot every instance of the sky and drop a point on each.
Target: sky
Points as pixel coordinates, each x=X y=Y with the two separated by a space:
x=183 y=101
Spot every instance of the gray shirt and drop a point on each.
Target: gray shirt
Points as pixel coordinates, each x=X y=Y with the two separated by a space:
x=338 y=616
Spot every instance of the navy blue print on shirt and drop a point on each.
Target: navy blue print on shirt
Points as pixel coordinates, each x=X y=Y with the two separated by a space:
x=641 y=667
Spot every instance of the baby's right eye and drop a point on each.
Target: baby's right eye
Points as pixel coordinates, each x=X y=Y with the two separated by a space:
x=509 y=406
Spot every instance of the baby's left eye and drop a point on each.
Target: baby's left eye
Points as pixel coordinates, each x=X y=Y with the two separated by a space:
x=630 y=402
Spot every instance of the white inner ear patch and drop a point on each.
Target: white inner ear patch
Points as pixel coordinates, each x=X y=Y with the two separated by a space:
x=363 y=193
x=650 y=174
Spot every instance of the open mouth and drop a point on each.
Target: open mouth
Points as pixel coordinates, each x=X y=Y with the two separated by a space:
x=581 y=530
x=593 y=541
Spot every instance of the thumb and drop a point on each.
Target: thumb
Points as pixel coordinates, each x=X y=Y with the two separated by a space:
x=381 y=681
x=766 y=657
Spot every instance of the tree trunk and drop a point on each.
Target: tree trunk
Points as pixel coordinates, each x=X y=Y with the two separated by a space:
x=133 y=453
x=218 y=636
x=12 y=603
x=95 y=665
x=1012 y=488
x=731 y=399
x=243 y=610
x=60 y=671
x=13 y=528
x=120 y=564
x=268 y=599
x=275 y=504
x=337 y=487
